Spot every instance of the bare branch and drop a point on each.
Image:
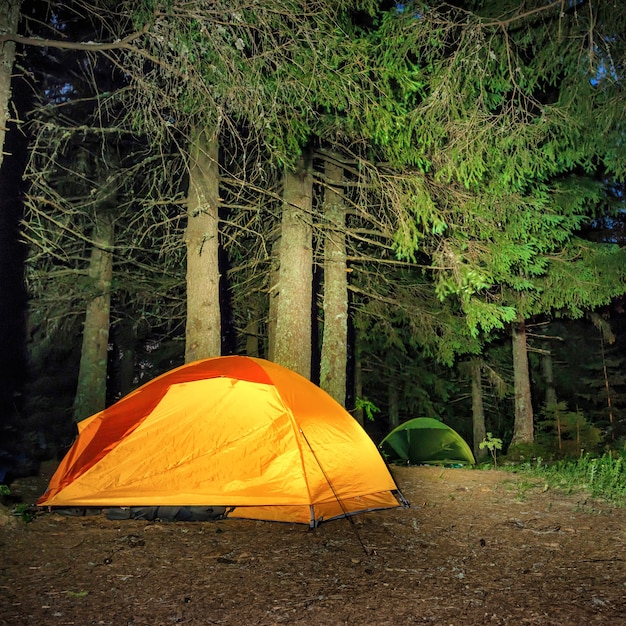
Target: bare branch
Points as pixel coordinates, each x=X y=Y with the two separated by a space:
x=75 y=45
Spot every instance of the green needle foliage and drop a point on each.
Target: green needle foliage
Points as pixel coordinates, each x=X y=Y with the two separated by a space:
x=508 y=126
x=478 y=139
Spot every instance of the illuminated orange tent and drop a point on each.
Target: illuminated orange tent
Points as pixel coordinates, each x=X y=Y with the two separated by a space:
x=234 y=431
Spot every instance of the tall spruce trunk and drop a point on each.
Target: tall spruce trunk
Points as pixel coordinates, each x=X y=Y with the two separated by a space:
x=393 y=397
x=92 y=376
x=9 y=19
x=125 y=338
x=203 y=325
x=548 y=377
x=252 y=326
x=292 y=344
x=479 y=430
x=359 y=413
x=334 y=356
x=523 y=430
x=272 y=312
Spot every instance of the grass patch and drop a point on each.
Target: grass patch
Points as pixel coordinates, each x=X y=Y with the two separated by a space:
x=601 y=477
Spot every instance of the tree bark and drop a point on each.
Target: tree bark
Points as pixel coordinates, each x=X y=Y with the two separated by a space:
x=359 y=413
x=203 y=326
x=272 y=309
x=523 y=430
x=479 y=430
x=252 y=326
x=9 y=19
x=334 y=356
x=548 y=377
x=92 y=376
x=394 y=406
x=125 y=339
x=293 y=316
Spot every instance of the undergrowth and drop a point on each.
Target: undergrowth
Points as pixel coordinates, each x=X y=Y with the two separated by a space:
x=601 y=477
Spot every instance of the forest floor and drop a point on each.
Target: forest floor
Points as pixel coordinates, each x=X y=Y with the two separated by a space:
x=475 y=547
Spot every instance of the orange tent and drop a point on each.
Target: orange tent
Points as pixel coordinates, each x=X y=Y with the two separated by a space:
x=231 y=431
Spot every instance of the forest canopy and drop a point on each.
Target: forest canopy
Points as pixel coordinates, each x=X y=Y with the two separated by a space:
x=418 y=206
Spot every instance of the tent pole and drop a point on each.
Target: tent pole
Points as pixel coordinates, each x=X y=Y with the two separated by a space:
x=339 y=502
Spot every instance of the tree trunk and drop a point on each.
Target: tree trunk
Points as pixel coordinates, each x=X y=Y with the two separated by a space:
x=252 y=326
x=203 y=329
x=523 y=429
x=394 y=406
x=478 y=411
x=272 y=313
x=92 y=376
x=125 y=339
x=334 y=357
x=359 y=413
x=293 y=322
x=551 y=397
x=9 y=19
x=548 y=377
x=607 y=388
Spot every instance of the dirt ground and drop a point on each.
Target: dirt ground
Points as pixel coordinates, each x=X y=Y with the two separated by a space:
x=476 y=547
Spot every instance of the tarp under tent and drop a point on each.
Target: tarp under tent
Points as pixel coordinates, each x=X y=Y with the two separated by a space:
x=425 y=440
x=240 y=434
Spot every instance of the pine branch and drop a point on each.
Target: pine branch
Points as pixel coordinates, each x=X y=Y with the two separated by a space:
x=92 y=46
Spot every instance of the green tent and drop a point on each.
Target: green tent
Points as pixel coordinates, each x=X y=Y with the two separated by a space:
x=425 y=440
